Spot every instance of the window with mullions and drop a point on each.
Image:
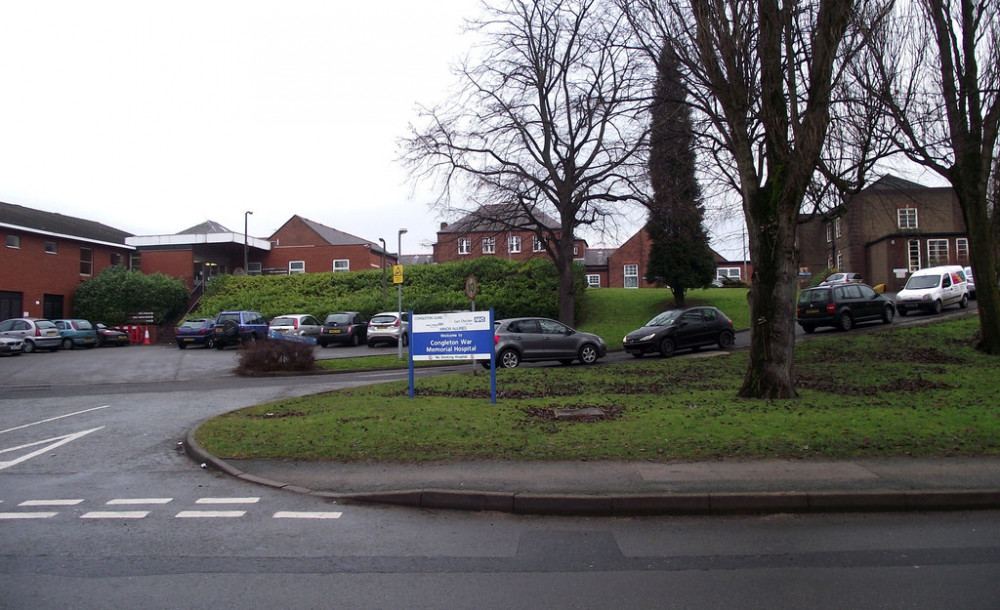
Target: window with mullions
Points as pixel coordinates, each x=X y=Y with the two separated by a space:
x=907 y=218
x=631 y=276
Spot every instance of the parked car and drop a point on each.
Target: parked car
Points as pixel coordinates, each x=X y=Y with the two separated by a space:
x=347 y=327
x=76 y=333
x=519 y=340
x=842 y=278
x=932 y=289
x=196 y=331
x=110 y=336
x=387 y=327
x=238 y=327
x=295 y=325
x=37 y=333
x=11 y=346
x=970 y=282
x=842 y=306
x=683 y=328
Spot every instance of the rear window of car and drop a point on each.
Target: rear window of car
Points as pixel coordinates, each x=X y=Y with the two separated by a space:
x=82 y=325
x=44 y=324
x=283 y=322
x=193 y=324
x=384 y=320
x=813 y=296
x=338 y=318
x=235 y=317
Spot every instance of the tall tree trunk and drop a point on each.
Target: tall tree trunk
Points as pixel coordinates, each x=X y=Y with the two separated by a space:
x=772 y=296
x=564 y=264
x=971 y=192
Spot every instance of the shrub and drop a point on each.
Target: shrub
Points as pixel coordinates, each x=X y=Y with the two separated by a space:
x=116 y=292
x=276 y=355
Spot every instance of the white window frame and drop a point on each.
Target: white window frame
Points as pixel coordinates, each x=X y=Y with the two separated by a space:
x=829 y=233
x=630 y=272
x=464 y=245
x=295 y=267
x=840 y=260
x=593 y=280
x=514 y=244
x=935 y=247
x=537 y=245
x=906 y=218
x=913 y=254
x=489 y=245
x=86 y=262
x=729 y=273
x=341 y=265
x=962 y=249
x=254 y=268
x=838 y=228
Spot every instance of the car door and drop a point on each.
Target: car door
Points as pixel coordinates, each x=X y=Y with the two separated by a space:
x=558 y=340
x=690 y=328
x=869 y=301
x=310 y=326
x=527 y=337
x=949 y=294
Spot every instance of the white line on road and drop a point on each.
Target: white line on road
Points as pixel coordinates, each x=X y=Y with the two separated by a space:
x=115 y=514
x=227 y=501
x=66 y=502
x=57 y=441
x=288 y=514
x=45 y=421
x=27 y=515
x=138 y=501
x=209 y=514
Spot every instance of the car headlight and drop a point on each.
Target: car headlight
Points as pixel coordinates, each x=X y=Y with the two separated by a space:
x=648 y=337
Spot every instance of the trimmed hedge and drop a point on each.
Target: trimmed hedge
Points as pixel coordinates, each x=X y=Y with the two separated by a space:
x=511 y=288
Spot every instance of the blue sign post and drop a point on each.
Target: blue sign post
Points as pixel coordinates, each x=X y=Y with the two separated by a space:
x=466 y=335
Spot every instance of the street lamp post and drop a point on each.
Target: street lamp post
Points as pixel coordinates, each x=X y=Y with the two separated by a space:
x=246 y=246
x=383 y=270
x=399 y=254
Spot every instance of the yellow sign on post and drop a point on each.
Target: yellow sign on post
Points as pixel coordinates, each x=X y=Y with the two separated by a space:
x=397 y=274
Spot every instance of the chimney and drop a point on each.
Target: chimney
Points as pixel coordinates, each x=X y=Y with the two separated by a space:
x=444 y=226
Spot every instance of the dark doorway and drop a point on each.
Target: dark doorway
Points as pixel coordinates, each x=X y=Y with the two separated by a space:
x=11 y=304
x=52 y=306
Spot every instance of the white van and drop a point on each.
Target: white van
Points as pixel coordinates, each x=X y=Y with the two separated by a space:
x=932 y=289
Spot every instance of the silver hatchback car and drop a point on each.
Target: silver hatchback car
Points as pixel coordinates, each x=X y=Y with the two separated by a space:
x=536 y=339
x=387 y=327
x=37 y=333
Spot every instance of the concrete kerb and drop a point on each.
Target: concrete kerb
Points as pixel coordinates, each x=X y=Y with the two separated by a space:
x=633 y=504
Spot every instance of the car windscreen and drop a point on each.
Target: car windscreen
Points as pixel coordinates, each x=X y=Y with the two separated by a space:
x=920 y=282
x=338 y=318
x=665 y=318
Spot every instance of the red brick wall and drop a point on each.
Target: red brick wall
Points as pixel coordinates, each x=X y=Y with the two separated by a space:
x=320 y=258
x=634 y=251
x=446 y=248
x=175 y=263
x=35 y=273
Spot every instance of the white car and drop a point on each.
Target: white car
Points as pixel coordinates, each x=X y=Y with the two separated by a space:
x=37 y=333
x=296 y=325
x=932 y=289
x=11 y=346
x=386 y=327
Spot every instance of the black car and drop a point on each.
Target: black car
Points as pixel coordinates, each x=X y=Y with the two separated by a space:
x=110 y=336
x=346 y=327
x=684 y=328
x=196 y=331
x=842 y=306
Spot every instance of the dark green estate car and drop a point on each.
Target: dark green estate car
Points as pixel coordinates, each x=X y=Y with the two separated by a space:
x=842 y=306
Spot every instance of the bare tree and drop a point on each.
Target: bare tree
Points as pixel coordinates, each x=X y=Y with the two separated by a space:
x=762 y=75
x=938 y=71
x=549 y=118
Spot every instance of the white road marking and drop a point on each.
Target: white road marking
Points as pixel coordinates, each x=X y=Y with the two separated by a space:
x=27 y=515
x=227 y=501
x=56 y=441
x=50 y=502
x=115 y=514
x=138 y=501
x=209 y=514
x=45 y=421
x=289 y=514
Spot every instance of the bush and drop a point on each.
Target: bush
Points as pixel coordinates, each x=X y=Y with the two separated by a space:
x=117 y=292
x=275 y=356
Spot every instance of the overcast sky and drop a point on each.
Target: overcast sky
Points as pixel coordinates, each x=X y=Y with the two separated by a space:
x=154 y=117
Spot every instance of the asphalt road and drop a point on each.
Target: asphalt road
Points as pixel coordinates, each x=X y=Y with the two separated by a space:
x=99 y=509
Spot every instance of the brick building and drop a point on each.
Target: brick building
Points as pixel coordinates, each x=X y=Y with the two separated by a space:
x=45 y=256
x=304 y=246
x=886 y=231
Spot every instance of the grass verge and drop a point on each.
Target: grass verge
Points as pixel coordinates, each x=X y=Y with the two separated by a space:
x=915 y=391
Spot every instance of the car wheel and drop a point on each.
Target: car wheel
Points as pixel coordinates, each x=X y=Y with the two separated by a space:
x=809 y=329
x=888 y=314
x=901 y=311
x=67 y=344
x=406 y=339
x=588 y=354
x=28 y=347
x=964 y=302
x=250 y=340
x=667 y=347
x=371 y=344
x=100 y=341
x=181 y=346
x=937 y=307
x=845 y=322
x=220 y=345
x=509 y=359
x=355 y=340
x=209 y=343
x=726 y=339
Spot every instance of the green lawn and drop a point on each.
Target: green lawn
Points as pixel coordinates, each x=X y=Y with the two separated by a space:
x=891 y=392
